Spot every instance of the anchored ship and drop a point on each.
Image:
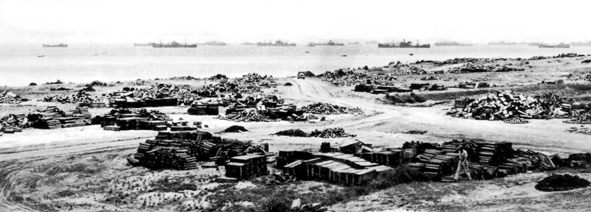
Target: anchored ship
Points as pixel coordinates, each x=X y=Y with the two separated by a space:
x=353 y=43
x=561 y=45
x=329 y=43
x=214 y=43
x=502 y=43
x=452 y=43
x=143 y=44
x=277 y=43
x=173 y=44
x=403 y=44
x=58 y=45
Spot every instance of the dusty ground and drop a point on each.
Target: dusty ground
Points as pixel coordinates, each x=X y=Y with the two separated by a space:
x=85 y=168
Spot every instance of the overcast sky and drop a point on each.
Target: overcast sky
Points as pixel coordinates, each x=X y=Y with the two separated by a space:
x=125 y=21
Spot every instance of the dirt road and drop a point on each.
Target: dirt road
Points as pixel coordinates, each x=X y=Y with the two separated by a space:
x=382 y=125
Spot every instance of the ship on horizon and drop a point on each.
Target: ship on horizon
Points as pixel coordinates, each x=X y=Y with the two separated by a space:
x=403 y=44
x=502 y=43
x=329 y=43
x=277 y=43
x=58 y=45
x=452 y=43
x=213 y=43
x=173 y=44
x=144 y=44
x=248 y=44
x=561 y=45
x=371 y=42
x=353 y=43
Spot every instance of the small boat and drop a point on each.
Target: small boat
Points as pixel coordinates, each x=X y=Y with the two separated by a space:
x=307 y=52
x=344 y=55
x=41 y=56
x=411 y=54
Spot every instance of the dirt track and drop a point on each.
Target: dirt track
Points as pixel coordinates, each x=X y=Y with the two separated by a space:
x=382 y=125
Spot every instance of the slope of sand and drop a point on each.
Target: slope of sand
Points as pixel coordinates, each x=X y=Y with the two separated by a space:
x=382 y=125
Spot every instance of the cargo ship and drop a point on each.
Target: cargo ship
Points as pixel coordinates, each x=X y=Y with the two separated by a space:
x=329 y=43
x=452 y=43
x=277 y=43
x=502 y=43
x=58 y=45
x=403 y=44
x=173 y=45
x=143 y=44
x=213 y=43
x=561 y=45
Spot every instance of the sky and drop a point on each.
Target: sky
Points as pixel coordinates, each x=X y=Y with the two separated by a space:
x=135 y=21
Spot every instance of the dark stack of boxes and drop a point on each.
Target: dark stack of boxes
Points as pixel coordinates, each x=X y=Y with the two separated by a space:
x=176 y=150
x=206 y=109
x=333 y=167
x=391 y=158
x=247 y=166
x=53 y=118
x=135 y=121
x=493 y=153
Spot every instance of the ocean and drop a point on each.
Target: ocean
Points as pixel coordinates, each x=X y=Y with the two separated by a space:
x=21 y=65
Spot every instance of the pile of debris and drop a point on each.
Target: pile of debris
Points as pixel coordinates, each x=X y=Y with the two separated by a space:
x=7 y=97
x=183 y=149
x=330 y=109
x=557 y=182
x=247 y=115
x=326 y=133
x=142 y=119
x=53 y=118
x=292 y=133
x=472 y=68
x=13 y=123
x=79 y=97
x=331 y=133
x=234 y=129
x=507 y=104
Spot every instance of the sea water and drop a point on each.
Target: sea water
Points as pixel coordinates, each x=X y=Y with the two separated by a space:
x=83 y=63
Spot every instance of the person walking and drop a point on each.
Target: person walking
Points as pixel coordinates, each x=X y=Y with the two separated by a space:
x=463 y=163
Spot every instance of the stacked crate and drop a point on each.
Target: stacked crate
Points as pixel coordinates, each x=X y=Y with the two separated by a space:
x=176 y=150
x=53 y=118
x=493 y=153
x=247 y=166
x=391 y=158
x=332 y=167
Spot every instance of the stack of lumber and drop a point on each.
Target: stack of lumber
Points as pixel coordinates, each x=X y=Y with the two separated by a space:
x=92 y=104
x=171 y=150
x=247 y=166
x=53 y=118
x=493 y=153
x=124 y=119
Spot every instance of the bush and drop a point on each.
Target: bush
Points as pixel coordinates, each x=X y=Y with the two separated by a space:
x=412 y=98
